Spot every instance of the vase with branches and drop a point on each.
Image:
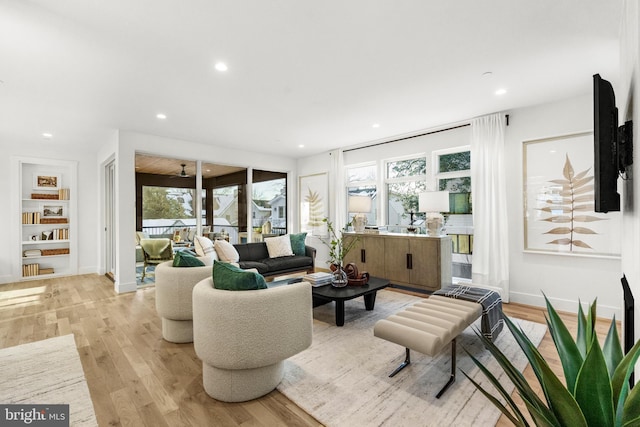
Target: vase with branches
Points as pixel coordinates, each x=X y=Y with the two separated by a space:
x=337 y=251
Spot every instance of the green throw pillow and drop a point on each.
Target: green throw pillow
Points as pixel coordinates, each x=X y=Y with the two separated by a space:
x=297 y=243
x=186 y=259
x=231 y=278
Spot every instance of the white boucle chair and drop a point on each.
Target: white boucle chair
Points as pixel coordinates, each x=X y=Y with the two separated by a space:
x=174 y=286
x=243 y=337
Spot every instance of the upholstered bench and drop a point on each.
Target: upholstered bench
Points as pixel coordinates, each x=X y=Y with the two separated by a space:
x=428 y=327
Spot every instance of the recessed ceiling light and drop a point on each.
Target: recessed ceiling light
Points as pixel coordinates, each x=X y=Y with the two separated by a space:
x=221 y=66
x=47 y=135
x=161 y=116
x=301 y=146
x=501 y=91
x=375 y=125
x=487 y=74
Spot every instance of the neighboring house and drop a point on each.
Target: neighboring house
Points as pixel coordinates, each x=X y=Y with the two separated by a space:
x=278 y=211
x=260 y=213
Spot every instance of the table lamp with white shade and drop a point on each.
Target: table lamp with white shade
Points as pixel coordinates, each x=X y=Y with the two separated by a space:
x=359 y=205
x=433 y=203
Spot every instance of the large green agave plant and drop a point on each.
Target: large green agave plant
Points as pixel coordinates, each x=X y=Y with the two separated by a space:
x=597 y=391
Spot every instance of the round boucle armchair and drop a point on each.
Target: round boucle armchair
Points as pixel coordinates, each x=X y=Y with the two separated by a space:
x=174 y=286
x=243 y=337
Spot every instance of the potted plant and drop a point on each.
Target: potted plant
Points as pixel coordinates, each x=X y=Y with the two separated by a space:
x=597 y=390
x=337 y=251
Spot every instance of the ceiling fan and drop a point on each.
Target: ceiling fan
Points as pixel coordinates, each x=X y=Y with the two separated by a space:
x=183 y=173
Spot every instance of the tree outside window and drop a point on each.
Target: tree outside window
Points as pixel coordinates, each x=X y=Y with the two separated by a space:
x=405 y=180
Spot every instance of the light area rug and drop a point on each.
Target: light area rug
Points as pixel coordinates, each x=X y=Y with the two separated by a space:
x=47 y=372
x=343 y=378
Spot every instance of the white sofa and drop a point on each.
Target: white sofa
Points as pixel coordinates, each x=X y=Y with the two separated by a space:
x=174 y=286
x=243 y=337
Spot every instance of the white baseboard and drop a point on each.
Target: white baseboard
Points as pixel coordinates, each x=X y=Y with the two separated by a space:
x=7 y=279
x=570 y=306
x=121 y=288
x=87 y=270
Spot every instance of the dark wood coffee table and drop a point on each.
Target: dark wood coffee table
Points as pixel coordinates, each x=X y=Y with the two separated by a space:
x=329 y=293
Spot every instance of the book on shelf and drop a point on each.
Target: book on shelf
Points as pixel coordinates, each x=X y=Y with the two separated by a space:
x=48 y=270
x=32 y=253
x=31 y=217
x=30 y=270
x=63 y=194
x=57 y=220
x=44 y=196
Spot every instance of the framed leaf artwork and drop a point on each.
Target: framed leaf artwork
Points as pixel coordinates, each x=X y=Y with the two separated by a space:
x=559 y=216
x=314 y=204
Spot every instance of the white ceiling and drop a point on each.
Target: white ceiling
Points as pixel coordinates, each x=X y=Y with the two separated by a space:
x=318 y=73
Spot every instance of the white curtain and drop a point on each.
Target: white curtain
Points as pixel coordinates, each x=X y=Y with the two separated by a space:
x=488 y=186
x=337 y=190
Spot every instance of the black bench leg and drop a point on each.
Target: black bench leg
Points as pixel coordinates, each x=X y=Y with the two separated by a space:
x=452 y=378
x=407 y=361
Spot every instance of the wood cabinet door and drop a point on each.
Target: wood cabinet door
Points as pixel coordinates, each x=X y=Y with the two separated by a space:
x=425 y=271
x=354 y=254
x=367 y=254
x=372 y=259
x=395 y=256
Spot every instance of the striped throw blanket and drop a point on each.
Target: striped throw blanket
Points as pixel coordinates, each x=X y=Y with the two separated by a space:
x=491 y=322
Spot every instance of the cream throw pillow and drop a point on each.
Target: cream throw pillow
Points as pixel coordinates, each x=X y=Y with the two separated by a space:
x=203 y=246
x=226 y=252
x=279 y=246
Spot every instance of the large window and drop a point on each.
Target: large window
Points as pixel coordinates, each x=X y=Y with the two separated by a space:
x=269 y=201
x=165 y=209
x=405 y=179
x=453 y=174
x=361 y=181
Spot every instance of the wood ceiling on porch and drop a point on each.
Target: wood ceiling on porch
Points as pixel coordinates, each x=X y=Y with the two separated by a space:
x=166 y=166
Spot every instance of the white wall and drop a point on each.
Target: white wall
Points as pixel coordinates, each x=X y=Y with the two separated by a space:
x=564 y=279
x=628 y=101
x=87 y=199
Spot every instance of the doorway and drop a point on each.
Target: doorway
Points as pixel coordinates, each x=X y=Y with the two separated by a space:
x=109 y=219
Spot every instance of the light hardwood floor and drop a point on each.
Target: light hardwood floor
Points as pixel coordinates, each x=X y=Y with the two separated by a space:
x=135 y=377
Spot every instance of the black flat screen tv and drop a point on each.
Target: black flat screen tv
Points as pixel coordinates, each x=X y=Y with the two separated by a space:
x=612 y=146
x=605 y=144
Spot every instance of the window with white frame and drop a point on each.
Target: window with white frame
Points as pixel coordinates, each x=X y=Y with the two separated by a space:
x=452 y=171
x=361 y=181
x=404 y=180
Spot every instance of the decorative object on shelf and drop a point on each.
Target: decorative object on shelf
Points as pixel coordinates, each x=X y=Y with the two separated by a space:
x=337 y=251
x=46 y=181
x=52 y=210
x=359 y=205
x=433 y=203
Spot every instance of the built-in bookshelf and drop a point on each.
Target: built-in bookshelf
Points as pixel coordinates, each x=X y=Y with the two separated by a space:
x=47 y=218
